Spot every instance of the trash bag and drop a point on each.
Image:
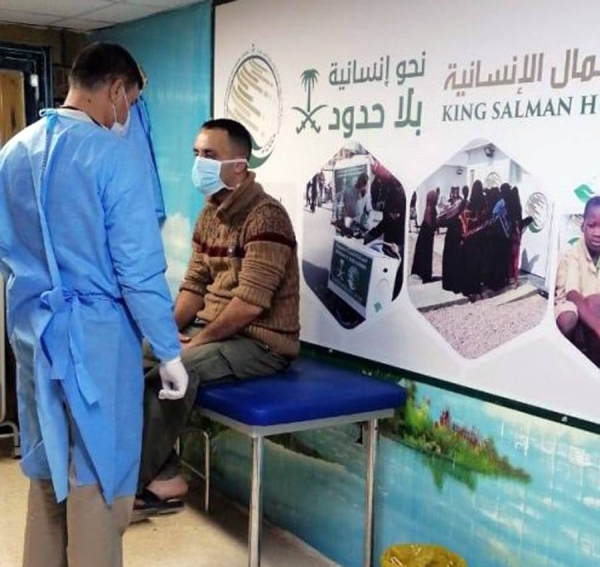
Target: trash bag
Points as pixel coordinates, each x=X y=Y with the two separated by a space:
x=420 y=555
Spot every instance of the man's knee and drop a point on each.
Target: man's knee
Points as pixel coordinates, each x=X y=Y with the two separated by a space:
x=567 y=321
x=593 y=302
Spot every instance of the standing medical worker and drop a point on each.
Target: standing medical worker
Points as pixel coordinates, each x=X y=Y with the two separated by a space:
x=81 y=250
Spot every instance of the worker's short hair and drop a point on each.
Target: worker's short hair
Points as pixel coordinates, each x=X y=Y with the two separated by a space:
x=101 y=63
x=237 y=132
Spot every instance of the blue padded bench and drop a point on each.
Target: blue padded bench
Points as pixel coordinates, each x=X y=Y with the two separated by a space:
x=311 y=395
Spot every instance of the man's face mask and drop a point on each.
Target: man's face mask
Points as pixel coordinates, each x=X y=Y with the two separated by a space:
x=118 y=128
x=206 y=174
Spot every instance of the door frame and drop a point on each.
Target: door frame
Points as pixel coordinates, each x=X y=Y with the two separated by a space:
x=36 y=65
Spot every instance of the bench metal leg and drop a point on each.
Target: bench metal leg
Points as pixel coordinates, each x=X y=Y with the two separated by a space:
x=372 y=429
x=207 y=457
x=205 y=475
x=14 y=433
x=255 y=523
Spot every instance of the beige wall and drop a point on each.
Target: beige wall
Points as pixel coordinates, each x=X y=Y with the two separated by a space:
x=64 y=46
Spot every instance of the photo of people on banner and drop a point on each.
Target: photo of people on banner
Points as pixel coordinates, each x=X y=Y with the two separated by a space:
x=478 y=247
x=577 y=293
x=353 y=235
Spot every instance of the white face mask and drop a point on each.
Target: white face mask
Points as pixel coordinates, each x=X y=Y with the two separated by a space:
x=118 y=128
x=206 y=174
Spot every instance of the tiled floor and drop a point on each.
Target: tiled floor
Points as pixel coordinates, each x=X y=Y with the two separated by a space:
x=187 y=539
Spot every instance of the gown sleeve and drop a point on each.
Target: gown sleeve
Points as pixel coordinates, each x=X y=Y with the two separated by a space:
x=137 y=252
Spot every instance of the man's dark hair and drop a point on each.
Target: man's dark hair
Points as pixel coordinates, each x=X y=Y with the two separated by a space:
x=593 y=202
x=101 y=63
x=237 y=132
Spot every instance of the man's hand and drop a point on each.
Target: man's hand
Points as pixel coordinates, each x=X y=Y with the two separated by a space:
x=174 y=379
x=236 y=316
x=592 y=313
x=575 y=297
x=197 y=340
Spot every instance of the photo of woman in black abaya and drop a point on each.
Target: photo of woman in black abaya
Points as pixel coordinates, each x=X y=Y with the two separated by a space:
x=423 y=258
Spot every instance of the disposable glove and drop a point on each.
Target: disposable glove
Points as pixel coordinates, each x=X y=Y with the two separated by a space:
x=174 y=379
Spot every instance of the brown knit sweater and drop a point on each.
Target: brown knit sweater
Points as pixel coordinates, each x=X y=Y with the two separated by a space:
x=245 y=247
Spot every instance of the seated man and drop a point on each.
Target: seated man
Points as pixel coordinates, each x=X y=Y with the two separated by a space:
x=577 y=298
x=238 y=306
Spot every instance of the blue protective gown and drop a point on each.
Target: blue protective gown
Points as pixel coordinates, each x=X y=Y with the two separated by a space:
x=81 y=251
x=139 y=134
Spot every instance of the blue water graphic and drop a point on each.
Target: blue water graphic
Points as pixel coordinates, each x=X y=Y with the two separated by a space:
x=492 y=522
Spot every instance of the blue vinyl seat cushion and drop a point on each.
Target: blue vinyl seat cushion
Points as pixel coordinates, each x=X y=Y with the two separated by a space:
x=310 y=390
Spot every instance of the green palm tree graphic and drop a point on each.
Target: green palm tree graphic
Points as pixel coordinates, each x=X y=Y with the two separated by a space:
x=309 y=78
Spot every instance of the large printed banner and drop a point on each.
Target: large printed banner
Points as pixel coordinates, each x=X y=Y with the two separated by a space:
x=440 y=163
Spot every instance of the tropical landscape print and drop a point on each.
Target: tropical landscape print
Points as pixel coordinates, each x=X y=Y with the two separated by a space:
x=448 y=441
x=498 y=487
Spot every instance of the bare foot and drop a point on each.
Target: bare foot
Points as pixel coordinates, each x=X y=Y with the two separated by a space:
x=175 y=487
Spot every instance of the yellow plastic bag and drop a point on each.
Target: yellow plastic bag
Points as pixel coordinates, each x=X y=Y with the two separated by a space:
x=420 y=555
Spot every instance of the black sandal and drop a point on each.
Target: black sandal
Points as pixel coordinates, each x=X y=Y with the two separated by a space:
x=151 y=504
